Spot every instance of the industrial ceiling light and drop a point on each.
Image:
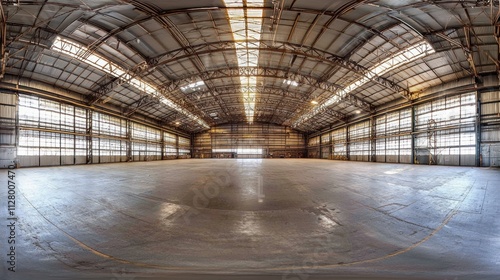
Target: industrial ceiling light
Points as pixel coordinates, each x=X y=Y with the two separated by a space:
x=246 y=25
x=407 y=55
x=314 y=102
x=290 y=83
x=82 y=54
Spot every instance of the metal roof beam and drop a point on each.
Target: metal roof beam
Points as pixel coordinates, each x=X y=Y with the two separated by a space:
x=235 y=89
x=268 y=72
x=143 y=102
x=97 y=95
x=292 y=49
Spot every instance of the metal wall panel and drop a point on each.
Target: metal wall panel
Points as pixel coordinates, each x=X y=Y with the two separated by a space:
x=8 y=151
x=467 y=160
x=28 y=161
x=80 y=160
x=50 y=160
x=490 y=128
x=405 y=159
x=490 y=135
x=490 y=155
x=392 y=158
x=67 y=160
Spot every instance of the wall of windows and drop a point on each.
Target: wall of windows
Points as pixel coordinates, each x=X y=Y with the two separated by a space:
x=458 y=129
x=339 y=144
x=393 y=137
x=55 y=133
x=170 y=150
x=109 y=138
x=359 y=141
x=443 y=131
x=146 y=143
x=184 y=147
x=249 y=141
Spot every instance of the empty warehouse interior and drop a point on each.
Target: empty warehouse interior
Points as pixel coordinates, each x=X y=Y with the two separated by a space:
x=250 y=139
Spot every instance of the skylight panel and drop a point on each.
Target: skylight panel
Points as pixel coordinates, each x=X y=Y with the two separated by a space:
x=193 y=86
x=407 y=55
x=81 y=53
x=246 y=24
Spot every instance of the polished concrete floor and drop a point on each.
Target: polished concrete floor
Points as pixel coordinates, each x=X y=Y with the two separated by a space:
x=255 y=219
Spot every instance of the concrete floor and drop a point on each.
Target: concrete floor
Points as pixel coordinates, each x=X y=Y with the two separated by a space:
x=255 y=219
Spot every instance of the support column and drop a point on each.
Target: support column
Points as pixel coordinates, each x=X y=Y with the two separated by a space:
x=320 y=145
x=307 y=146
x=373 y=140
x=162 y=145
x=330 y=147
x=347 y=144
x=129 y=140
x=74 y=135
x=177 y=147
x=478 y=129
x=191 y=146
x=212 y=132
x=88 y=133
x=413 y=124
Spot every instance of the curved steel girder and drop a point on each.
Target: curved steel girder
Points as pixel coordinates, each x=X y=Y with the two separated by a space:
x=190 y=50
x=268 y=72
x=236 y=99
x=262 y=109
x=236 y=89
x=279 y=99
x=265 y=106
x=286 y=48
x=96 y=95
x=320 y=109
x=177 y=35
x=320 y=122
x=261 y=102
x=92 y=49
x=31 y=28
x=144 y=101
x=237 y=72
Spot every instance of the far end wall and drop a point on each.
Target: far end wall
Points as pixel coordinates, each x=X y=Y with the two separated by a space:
x=249 y=141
